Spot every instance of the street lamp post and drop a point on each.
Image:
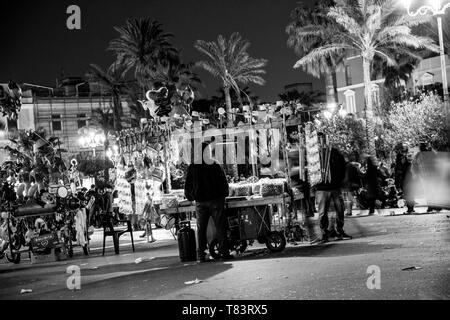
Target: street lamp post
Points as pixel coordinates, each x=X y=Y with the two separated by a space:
x=92 y=138
x=438 y=10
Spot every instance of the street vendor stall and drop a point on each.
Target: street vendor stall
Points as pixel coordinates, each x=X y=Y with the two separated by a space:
x=41 y=214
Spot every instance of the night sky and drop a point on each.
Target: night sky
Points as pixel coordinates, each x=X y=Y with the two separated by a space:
x=36 y=45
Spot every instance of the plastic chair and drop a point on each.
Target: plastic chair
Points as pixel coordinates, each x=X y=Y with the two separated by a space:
x=109 y=230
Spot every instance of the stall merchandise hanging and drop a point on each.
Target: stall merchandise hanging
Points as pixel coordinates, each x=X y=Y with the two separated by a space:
x=312 y=155
x=123 y=187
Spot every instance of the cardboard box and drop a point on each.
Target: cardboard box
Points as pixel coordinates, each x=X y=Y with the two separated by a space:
x=56 y=254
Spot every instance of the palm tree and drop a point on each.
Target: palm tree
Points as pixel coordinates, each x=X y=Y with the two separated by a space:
x=105 y=119
x=395 y=80
x=431 y=30
x=303 y=39
x=305 y=98
x=175 y=72
x=141 y=44
x=229 y=61
x=369 y=28
x=112 y=80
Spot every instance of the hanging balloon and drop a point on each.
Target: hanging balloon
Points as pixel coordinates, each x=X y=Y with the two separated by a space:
x=177 y=174
x=162 y=92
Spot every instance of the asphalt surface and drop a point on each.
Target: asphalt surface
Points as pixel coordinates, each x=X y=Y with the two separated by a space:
x=337 y=270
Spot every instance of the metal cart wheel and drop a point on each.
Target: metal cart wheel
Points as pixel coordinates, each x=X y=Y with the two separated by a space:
x=275 y=241
x=214 y=248
x=242 y=246
x=239 y=246
x=12 y=255
x=70 y=249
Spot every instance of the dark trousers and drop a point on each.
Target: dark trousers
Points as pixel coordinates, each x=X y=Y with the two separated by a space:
x=324 y=199
x=372 y=202
x=215 y=209
x=410 y=205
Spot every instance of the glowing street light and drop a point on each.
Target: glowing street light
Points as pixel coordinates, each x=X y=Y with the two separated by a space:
x=327 y=114
x=342 y=112
x=331 y=106
x=91 y=137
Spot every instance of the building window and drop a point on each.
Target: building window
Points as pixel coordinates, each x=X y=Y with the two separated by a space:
x=56 y=122
x=427 y=79
x=348 y=76
x=82 y=121
x=350 y=104
x=376 y=95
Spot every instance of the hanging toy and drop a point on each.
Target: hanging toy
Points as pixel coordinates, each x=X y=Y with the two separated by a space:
x=74 y=176
x=10 y=100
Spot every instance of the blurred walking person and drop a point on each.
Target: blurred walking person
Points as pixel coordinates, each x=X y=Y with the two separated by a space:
x=408 y=185
x=423 y=168
x=351 y=184
x=372 y=183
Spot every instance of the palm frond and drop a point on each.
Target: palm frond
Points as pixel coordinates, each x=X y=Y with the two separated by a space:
x=229 y=60
x=322 y=52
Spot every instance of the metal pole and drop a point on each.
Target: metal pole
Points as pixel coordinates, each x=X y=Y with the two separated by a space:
x=444 y=75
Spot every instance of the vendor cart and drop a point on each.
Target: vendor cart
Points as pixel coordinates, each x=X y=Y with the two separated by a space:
x=58 y=240
x=249 y=219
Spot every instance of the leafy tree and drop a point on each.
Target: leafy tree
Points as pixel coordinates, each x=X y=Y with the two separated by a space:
x=369 y=28
x=418 y=120
x=92 y=167
x=112 y=80
x=304 y=37
x=229 y=61
x=141 y=45
x=175 y=72
x=305 y=98
x=431 y=30
x=345 y=133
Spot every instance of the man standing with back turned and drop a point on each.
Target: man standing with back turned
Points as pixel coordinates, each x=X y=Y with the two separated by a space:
x=330 y=192
x=207 y=185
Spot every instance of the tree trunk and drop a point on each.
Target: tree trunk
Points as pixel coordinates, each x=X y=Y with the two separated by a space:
x=370 y=126
x=106 y=145
x=226 y=89
x=330 y=85
x=116 y=112
x=228 y=106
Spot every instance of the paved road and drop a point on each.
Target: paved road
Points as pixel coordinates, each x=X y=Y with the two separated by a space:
x=337 y=270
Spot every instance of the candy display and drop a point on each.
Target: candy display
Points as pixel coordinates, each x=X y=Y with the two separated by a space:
x=169 y=201
x=312 y=155
x=123 y=187
x=272 y=187
x=244 y=189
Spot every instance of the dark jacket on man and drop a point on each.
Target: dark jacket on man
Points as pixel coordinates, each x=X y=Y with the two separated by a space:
x=352 y=180
x=337 y=172
x=372 y=180
x=205 y=182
